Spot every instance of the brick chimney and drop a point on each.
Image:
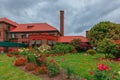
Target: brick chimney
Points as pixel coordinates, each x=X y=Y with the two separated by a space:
x=87 y=34
x=62 y=22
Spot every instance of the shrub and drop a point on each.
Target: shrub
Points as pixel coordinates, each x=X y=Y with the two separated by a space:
x=21 y=61
x=40 y=61
x=108 y=47
x=23 y=51
x=91 y=52
x=40 y=70
x=63 y=48
x=30 y=67
x=103 y=72
x=31 y=58
x=53 y=68
x=14 y=53
x=76 y=43
x=9 y=54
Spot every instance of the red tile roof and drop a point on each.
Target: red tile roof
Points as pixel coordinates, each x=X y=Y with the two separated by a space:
x=8 y=21
x=67 y=39
x=34 y=27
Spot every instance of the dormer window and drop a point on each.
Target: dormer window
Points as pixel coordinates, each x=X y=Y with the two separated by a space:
x=29 y=26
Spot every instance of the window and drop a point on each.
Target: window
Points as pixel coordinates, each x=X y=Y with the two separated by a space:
x=13 y=35
x=27 y=35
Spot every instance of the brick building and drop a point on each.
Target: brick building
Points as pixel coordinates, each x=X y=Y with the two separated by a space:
x=34 y=34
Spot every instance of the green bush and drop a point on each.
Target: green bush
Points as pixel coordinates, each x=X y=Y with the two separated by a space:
x=14 y=53
x=53 y=69
x=63 y=48
x=23 y=53
x=31 y=58
x=108 y=47
x=91 y=52
x=76 y=43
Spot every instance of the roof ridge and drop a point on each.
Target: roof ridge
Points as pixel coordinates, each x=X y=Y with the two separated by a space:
x=72 y=36
x=31 y=23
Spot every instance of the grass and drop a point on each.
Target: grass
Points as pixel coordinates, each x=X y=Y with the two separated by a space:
x=10 y=72
x=82 y=64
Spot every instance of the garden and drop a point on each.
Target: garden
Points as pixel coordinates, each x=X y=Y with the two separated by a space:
x=65 y=61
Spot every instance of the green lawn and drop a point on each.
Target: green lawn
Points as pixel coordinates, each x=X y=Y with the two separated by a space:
x=82 y=63
x=10 y=72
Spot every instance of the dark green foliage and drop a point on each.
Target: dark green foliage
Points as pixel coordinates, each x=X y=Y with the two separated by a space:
x=103 y=30
x=108 y=47
x=91 y=52
x=23 y=53
x=14 y=53
x=76 y=44
x=31 y=58
x=63 y=48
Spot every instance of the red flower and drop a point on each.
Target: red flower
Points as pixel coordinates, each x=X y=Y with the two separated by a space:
x=91 y=72
x=52 y=60
x=102 y=67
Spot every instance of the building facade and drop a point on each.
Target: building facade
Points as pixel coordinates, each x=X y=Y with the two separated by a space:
x=34 y=34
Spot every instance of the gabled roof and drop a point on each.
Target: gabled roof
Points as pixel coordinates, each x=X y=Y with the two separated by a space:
x=68 y=39
x=8 y=21
x=32 y=27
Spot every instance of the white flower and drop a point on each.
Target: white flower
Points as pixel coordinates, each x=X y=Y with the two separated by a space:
x=119 y=72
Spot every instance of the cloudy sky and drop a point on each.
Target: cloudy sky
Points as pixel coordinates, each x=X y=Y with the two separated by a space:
x=80 y=15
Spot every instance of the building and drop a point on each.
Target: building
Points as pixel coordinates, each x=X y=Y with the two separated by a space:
x=34 y=34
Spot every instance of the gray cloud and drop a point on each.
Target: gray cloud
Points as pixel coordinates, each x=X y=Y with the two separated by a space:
x=80 y=15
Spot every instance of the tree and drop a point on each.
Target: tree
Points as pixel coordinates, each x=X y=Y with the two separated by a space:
x=108 y=47
x=103 y=30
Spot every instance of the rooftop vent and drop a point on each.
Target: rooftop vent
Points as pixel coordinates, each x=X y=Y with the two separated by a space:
x=30 y=26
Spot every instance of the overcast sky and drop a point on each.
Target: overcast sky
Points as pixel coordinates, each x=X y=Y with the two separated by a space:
x=80 y=15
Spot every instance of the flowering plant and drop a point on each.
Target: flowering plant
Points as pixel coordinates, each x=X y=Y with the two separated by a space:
x=30 y=67
x=53 y=68
x=40 y=70
x=103 y=67
x=21 y=61
x=103 y=72
x=9 y=54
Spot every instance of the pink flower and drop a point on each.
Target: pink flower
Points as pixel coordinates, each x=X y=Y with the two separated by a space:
x=118 y=59
x=40 y=59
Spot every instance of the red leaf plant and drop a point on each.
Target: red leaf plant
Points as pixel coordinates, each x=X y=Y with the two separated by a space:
x=21 y=61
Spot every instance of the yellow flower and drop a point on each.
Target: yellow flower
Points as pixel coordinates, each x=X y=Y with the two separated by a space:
x=119 y=72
